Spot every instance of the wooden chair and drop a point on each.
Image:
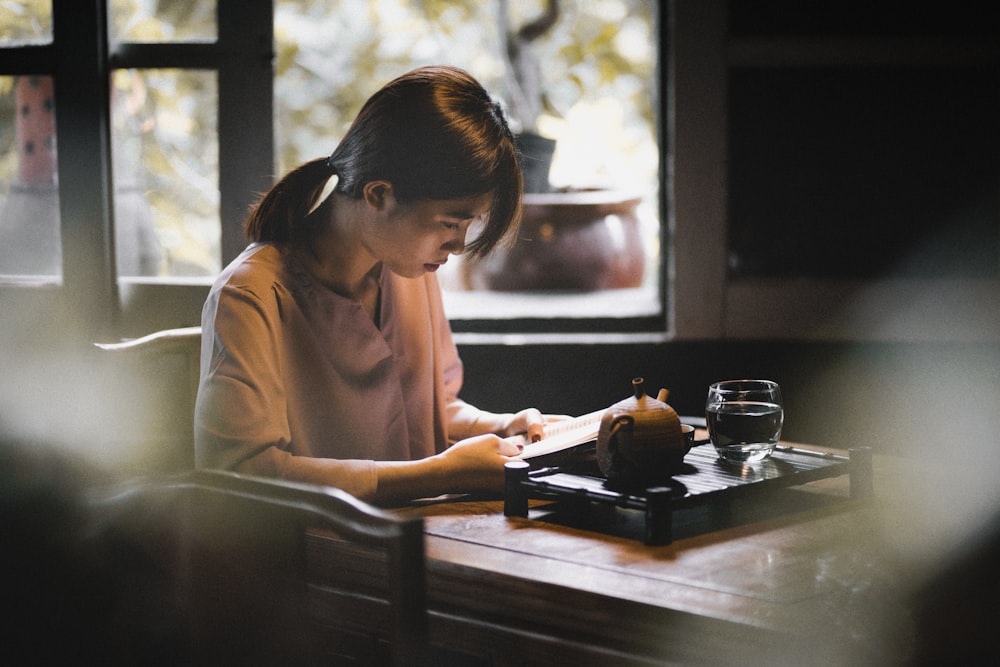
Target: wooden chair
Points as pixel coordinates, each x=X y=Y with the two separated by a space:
x=218 y=568
x=151 y=384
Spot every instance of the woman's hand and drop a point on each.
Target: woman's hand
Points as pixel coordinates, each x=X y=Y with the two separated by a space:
x=529 y=422
x=477 y=463
x=471 y=465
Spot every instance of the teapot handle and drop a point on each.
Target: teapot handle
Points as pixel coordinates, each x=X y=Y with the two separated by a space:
x=618 y=422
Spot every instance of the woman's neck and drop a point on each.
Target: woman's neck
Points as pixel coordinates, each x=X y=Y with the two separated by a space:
x=334 y=253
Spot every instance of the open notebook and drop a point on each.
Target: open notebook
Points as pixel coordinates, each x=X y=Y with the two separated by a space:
x=562 y=435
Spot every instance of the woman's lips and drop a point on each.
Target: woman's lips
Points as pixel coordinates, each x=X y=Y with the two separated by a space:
x=432 y=267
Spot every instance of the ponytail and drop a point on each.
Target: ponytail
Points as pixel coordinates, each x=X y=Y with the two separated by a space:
x=281 y=213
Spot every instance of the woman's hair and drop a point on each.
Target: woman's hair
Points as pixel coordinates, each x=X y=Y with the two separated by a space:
x=434 y=133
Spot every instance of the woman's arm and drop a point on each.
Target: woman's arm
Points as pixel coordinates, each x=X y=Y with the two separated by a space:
x=472 y=465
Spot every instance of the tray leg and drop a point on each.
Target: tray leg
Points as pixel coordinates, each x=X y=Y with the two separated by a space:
x=659 y=516
x=862 y=477
x=515 y=497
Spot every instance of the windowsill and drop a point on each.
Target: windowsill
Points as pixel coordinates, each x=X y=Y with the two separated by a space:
x=29 y=280
x=488 y=305
x=518 y=318
x=196 y=281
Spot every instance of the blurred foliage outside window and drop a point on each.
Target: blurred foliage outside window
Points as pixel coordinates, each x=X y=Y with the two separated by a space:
x=166 y=167
x=165 y=145
x=162 y=20
x=25 y=21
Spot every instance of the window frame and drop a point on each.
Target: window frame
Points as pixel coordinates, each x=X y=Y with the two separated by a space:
x=242 y=57
x=81 y=62
x=707 y=302
x=83 y=291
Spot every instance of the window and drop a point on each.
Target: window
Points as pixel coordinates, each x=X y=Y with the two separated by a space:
x=30 y=242
x=129 y=89
x=158 y=155
x=156 y=171
x=851 y=164
x=192 y=125
x=836 y=171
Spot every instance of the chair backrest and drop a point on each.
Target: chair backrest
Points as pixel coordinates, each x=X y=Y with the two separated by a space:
x=152 y=386
x=221 y=568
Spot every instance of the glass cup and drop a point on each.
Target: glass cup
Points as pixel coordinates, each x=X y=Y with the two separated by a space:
x=744 y=419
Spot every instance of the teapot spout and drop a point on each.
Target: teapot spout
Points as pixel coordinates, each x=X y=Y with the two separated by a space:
x=639 y=392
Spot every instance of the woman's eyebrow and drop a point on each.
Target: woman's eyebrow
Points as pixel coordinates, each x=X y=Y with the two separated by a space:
x=461 y=215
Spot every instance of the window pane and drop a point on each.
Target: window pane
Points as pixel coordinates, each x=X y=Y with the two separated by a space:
x=165 y=161
x=29 y=197
x=25 y=21
x=598 y=96
x=143 y=21
x=844 y=173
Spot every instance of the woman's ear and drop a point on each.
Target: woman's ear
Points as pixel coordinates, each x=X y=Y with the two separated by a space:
x=377 y=193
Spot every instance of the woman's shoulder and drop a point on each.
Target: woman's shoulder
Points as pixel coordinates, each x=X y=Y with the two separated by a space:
x=257 y=274
x=259 y=264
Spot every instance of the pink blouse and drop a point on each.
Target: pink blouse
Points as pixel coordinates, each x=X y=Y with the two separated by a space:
x=290 y=368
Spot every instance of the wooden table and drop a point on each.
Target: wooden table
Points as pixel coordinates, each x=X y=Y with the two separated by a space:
x=801 y=577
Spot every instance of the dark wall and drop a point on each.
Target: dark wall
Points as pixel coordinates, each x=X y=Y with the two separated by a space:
x=897 y=397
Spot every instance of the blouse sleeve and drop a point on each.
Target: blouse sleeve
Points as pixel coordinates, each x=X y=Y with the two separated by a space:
x=240 y=420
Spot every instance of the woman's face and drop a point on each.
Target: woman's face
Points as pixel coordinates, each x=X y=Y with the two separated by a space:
x=418 y=237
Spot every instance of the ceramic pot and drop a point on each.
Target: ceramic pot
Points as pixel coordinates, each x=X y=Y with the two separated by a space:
x=581 y=240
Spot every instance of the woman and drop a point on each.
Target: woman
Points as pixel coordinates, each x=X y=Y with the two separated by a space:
x=326 y=356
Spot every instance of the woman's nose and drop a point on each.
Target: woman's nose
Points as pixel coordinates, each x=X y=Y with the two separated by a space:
x=455 y=246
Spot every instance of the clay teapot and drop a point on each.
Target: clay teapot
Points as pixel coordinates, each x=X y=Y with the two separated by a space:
x=640 y=442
